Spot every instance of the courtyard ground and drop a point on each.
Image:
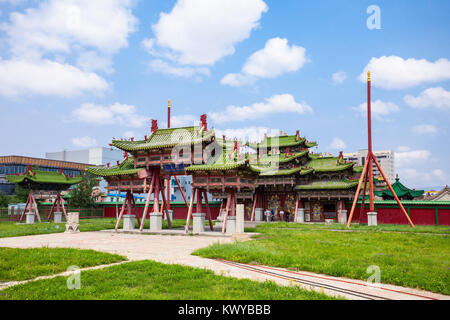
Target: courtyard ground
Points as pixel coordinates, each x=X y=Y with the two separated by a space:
x=177 y=250
x=408 y=257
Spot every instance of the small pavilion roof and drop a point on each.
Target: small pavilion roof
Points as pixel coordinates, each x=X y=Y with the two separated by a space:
x=49 y=179
x=328 y=164
x=400 y=190
x=282 y=141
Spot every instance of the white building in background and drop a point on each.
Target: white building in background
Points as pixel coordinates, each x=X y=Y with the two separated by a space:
x=94 y=156
x=384 y=157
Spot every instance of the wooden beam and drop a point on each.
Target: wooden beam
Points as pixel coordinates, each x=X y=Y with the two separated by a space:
x=121 y=213
x=208 y=211
x=355 y=200
x=147 y=201
x=191 y=204
x=181 y=190
x=166 y=208
x=252 y=218
x=226 y=213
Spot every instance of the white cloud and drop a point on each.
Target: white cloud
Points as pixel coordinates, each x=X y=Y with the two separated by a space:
x=47 y=78
x=379 y=109
x=84 y=142
x=185 y=72
x=394 y=72
x=338 y=144
x=281 y=103
x=113 y=114
x=405 y=156
x=92 y=61
x=42 y=38
x=202 y=32
x=425 y=129
x=432 y=97
x=62 y=25
x=418 y=178
x=275 y=59
x=339 y=77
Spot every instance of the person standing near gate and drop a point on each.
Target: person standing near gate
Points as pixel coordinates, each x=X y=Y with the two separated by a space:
x=268 y=214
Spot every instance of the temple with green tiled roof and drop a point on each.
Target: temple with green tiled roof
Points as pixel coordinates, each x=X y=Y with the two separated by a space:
x=290 y=177
x=402 y=192
x=34 y=179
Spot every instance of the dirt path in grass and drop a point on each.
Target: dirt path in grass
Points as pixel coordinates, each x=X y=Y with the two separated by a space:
x=4 y=285
x=177 y=250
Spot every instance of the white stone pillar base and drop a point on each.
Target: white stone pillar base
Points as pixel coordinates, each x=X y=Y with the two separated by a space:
x=258 y=214
x=300 y=215
x=170 y=212
x=371 y=219
x=198 y=223
x=128 y=221
x=156 y=221
x=30 y=217
x=57 y=217
x=240 y=224
x=343 y=217
x=231 y=225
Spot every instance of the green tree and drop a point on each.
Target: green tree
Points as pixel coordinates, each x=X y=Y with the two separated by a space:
x=4 y=200
x=20 y=194
x=81 y=195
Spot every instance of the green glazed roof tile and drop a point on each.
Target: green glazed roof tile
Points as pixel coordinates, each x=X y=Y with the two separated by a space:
x=43 y=177
x=166 y=138
x=327 y=185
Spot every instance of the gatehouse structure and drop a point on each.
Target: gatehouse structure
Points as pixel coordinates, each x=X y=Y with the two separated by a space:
x=36 y=180
x=279 y=173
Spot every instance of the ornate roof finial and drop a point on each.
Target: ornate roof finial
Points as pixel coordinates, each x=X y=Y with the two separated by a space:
x=368 y=76
x=154 y=125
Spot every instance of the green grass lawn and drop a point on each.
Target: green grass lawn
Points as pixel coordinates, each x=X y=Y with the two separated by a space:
x=12 y=229
x=152 y=280
x=360 y=227
x=414 y=259
x=23 y=264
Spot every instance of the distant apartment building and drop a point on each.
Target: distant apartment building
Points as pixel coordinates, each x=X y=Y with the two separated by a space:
x=93 y=156
x=384 y=157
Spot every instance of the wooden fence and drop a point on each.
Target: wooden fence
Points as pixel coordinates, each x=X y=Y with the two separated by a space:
x=85 y=213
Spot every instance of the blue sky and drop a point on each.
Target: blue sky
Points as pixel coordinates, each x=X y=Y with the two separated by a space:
x=74 y=74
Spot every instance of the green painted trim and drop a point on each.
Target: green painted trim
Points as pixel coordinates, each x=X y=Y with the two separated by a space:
x=437 y=216
x=408 y=210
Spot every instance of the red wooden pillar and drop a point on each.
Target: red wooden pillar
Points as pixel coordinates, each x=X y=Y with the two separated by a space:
x=156 y=196
x=199 y=201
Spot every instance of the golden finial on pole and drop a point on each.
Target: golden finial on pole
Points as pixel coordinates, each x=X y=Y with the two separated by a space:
x=368 y=75
x=168 y=114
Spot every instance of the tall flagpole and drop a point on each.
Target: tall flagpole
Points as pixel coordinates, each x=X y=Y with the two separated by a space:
x=368 y=168
x=369 y=137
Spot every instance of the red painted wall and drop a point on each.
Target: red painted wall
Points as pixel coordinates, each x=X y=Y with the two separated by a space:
x=444 y=217
x=419 y=216
x=423 y=217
